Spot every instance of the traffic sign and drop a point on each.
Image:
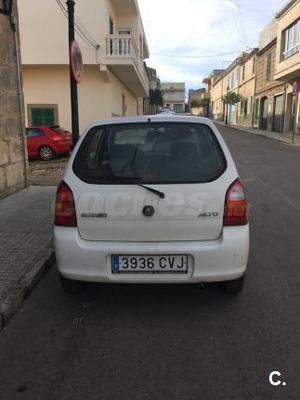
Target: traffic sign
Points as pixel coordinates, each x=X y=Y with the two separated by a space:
x=76 y=61
x=295 y=88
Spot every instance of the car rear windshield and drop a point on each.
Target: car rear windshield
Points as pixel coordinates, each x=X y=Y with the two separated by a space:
x=162 y=152
x=58 y=129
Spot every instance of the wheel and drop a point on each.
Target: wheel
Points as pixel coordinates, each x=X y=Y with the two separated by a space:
x=71 y=286
x=234 y=286
x=46 y=153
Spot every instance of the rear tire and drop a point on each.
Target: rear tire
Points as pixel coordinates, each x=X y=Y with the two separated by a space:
x=234 y=286
x=46 y=153
x=71 y=286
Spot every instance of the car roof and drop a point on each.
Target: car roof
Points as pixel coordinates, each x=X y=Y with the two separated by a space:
x=163 y=117
x=38 y=127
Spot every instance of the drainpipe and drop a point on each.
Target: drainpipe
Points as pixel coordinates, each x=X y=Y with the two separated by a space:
x=296 y=118
x=254 y=99
x=284 y=107
x=14 y=25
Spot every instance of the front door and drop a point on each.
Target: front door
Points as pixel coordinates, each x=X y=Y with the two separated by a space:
x=264 y=114
x=278 y=114
x=256 y=113
x=292 y=111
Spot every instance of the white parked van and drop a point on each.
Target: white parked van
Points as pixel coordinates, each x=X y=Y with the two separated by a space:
x=151 y=200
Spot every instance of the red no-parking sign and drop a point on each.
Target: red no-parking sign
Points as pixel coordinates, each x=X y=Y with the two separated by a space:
x=295 y=88
x=76 y=61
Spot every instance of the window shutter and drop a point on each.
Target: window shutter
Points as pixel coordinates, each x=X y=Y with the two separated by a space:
x=269 y=66
x=42 y=116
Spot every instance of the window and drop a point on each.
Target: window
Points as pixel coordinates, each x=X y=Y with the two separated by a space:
x=126 y=31
x=243 y=72
x=42 y=115
x=245 y=107
x=290 y=40
x=159 y=152
x=269 y=67
x=253 y=65
x=141 y=48
x=34 y=133
x=124 y=108
x=111 y=26
x=58 y=129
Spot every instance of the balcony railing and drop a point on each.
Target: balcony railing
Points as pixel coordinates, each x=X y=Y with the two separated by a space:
x=290 y=52
x=123 y=47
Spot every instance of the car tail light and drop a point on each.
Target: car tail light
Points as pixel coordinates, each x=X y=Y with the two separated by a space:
x=65 y=212
x=235 y=212
x=58 y=138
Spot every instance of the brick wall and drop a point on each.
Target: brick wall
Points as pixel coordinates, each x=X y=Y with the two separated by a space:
x=12 y=146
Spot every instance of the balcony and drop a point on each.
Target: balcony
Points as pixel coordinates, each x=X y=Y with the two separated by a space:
x=123 y=59
x=125 y=7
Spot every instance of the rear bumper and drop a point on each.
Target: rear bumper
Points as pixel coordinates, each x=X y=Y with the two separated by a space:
x=211 y=261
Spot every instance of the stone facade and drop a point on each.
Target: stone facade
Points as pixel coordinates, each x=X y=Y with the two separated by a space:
x=13 y=156
x=266 y=89
x=287 y=68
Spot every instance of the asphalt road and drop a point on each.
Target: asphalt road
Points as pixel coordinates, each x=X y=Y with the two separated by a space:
x=137 y=342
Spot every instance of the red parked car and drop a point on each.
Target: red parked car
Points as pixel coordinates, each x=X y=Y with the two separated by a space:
x=46 y=142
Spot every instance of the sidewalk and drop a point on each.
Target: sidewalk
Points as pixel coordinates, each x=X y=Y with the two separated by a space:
x=286 y=138
x=26 y=249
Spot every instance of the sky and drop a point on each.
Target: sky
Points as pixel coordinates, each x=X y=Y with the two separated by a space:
x=189 y=38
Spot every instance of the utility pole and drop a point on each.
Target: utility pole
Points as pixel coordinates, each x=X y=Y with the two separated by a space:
x=73 y=82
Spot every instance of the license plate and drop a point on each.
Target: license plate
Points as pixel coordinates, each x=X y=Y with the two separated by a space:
x=168 y=264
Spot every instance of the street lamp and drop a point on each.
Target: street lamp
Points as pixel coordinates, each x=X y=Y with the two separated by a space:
x=73 y=81
x=5 y=7
x=227 y=92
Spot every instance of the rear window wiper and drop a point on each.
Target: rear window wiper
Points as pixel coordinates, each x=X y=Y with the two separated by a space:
x=138 y=182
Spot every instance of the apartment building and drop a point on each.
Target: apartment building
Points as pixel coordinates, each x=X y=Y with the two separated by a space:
x=269 y=93
x=113 y=44
x=267 y=79
x=210 y=86
x=246 y=89
x=13 y=153
x=238 y=78
x=287 y=63
x=194 y=101
x=154 y=84
x=174 y=96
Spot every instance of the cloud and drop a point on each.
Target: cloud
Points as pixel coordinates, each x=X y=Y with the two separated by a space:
x=231 y=4
x=174 y=72
x=203 y=28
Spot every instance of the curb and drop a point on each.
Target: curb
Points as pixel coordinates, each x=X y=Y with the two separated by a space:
x=238 y=128
x=12 y=302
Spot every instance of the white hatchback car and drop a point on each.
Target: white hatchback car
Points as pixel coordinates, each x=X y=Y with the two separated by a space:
x=151 y=199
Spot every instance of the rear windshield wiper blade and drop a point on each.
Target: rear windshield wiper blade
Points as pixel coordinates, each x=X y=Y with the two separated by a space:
x=138 y=182
x=155 y=191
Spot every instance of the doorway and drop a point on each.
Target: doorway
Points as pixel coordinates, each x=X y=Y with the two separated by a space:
x=125 y=42
x=256 y=114
x=278 y=113
x=291 y=107
x=264 y=113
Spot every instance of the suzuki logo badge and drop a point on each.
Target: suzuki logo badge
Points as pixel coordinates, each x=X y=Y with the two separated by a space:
x=148 y=211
